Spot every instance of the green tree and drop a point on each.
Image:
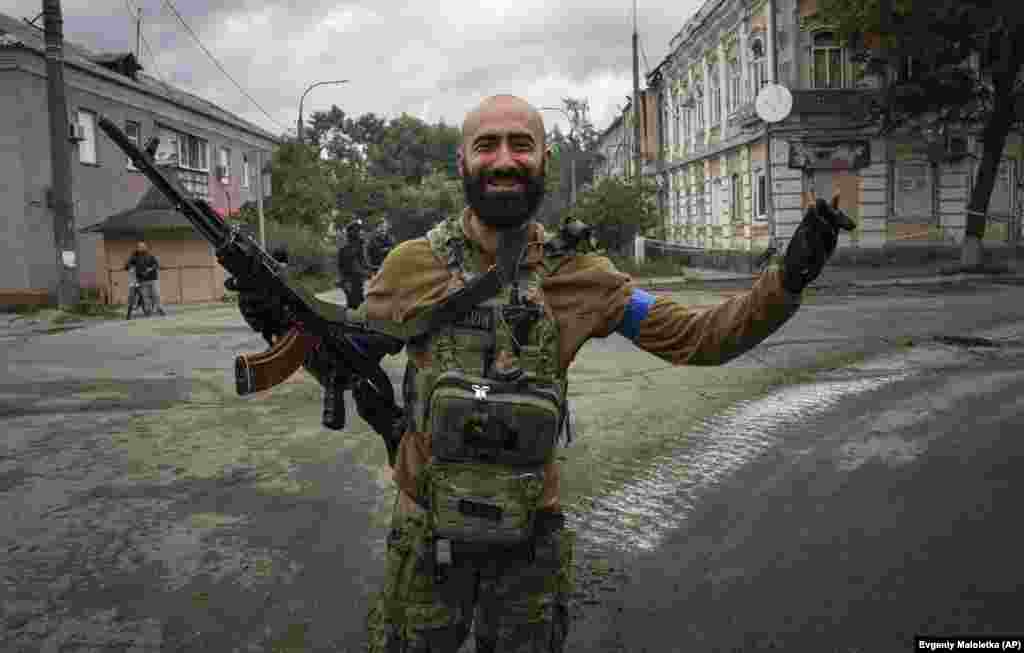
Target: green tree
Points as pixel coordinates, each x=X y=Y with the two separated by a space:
x=619 y=210
x=302 y=188
x=941 y=90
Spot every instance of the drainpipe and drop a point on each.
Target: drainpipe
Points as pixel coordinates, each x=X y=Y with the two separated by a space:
x=768 y=176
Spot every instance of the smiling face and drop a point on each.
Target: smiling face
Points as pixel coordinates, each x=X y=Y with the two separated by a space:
x=502 y=161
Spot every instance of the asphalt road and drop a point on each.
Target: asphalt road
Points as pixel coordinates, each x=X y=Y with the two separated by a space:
x=791 y=529
x=890 y=512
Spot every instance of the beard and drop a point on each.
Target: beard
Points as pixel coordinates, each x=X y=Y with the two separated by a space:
x=504 y=209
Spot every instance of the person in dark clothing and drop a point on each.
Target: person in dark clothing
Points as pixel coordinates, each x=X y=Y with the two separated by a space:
x=352 y=264
x=280 y=254
x=146 y=269
x=379 y=246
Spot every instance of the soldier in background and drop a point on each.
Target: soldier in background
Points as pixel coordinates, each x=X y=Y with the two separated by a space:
x=352 y=264
x=380 y=244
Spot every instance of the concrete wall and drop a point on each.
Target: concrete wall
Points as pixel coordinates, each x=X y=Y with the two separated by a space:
x=27 y=257
x=14 y=228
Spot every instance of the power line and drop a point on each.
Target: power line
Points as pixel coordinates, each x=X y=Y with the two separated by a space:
x=171 y=6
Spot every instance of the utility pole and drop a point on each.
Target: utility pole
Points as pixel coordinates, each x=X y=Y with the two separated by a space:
x=62 y=202
x=298 y=123
x=138 y=36
x=636 y=102
x=259 y=197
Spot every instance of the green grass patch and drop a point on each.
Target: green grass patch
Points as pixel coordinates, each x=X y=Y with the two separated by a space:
x=660 y=267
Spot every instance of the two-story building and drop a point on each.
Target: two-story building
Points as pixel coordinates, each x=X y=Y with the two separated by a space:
x=730 y=181
x=212 y=152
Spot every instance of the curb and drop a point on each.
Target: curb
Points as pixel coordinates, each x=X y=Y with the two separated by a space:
x=684 y=283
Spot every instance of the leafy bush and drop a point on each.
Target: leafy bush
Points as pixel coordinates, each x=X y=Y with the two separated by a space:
x=660 y=267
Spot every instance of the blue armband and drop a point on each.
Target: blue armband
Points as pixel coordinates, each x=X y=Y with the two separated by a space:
x=636 y=310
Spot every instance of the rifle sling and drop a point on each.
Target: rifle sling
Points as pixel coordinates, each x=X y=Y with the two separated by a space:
x=511 y=248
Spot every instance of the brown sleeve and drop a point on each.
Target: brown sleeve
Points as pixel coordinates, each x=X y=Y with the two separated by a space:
x=712 y=336
x=411 y=277
x=588 y=298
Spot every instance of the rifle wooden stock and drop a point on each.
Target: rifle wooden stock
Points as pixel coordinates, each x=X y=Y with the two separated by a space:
x=258 y=372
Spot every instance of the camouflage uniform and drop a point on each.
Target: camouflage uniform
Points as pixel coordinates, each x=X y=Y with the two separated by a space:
x=517 y=605
x=517 y=597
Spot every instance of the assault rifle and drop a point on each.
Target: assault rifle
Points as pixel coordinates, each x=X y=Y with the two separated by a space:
x=311 y=323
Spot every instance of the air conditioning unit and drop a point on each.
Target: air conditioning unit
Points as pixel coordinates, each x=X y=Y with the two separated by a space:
x=221 y=172
x=76 y=133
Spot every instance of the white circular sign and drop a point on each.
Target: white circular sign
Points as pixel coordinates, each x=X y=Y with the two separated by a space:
x=774 y=103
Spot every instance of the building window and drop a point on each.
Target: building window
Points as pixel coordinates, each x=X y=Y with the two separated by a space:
x=133 y=131
x=758 y=67
x=167 y=149
x=245 y=170
x=760 y=196
x=737 y=199
x=687 y=125
x=224 y=163
x=735 y=85
x=828 y=62
x=192 y=153
x=699 y=217
x=677 y=131
x=87 y=146
x=715 y=90
x=698 y=96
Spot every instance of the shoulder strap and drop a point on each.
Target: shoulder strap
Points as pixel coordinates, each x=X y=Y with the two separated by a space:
x=511 y=248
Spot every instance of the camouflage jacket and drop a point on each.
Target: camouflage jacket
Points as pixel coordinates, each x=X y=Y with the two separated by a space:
x=588 y=297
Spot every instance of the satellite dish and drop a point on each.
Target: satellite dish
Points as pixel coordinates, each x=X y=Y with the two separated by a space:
x=774 y=103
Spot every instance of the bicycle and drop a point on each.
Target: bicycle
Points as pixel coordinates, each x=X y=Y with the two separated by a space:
x=136 y=299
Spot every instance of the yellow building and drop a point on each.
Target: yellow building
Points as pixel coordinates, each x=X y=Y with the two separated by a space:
x=710 y=152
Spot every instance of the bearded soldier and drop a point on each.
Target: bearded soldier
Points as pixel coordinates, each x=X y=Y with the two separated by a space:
x=478 y=537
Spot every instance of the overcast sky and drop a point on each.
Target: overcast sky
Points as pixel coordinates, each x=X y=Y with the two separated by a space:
x=433 y=60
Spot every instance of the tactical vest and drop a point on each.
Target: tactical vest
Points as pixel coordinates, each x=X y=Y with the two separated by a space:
x=494 y=401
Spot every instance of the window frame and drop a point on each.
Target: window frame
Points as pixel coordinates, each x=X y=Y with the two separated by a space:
x=202 y=151
x=88 y=142
x=760 y=195
x=245 y=170
x=846 y=75
x=699 y=106
x=224 y=159
x=715 y=91
x=733 y=99
x=758 y=67
x=736 y=197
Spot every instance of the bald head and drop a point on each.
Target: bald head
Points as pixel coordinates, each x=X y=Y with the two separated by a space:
x=502 y=109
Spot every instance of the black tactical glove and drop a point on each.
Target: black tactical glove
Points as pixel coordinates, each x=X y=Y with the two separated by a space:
x=263 y=313
x=811 y=246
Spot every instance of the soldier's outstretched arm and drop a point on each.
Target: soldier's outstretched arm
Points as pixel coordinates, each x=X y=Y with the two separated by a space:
x=687 y=335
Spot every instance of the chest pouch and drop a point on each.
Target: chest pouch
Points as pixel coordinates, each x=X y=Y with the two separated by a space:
x=474 y=419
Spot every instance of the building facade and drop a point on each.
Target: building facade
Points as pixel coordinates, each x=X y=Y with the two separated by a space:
x=213 y=151
x=729 y=182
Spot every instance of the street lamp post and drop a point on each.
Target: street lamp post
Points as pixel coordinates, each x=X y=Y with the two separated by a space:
x=298 y=125
x=572 y=156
